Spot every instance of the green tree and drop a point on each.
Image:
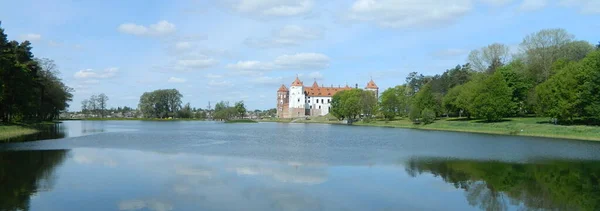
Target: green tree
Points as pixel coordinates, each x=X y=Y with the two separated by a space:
x=422 y=100
x=102 y=101
x=393 y=102
x=542 y=49
x=590 y=84
x=490 y=57
x=185 y=112
x=162 y=103
x=428 y=116
x=368 y=104
x=516 y=79
x=346 y=104
x=493 y=98
x=240 y=109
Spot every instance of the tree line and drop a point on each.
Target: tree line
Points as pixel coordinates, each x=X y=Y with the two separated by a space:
x=553 y=76
x=166 y=103
x=95 y=105
x=30 y=87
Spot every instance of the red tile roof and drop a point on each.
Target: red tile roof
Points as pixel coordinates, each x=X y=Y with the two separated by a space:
x=323 y=91
x=297 y=82
x=372 y=85
x=282 y=88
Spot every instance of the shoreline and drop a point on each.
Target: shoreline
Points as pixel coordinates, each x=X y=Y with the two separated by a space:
x=526 y=126
x=13 y=131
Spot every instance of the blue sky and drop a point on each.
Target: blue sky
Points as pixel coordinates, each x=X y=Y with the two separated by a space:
x=245 y=49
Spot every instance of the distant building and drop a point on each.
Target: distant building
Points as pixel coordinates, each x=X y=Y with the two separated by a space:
x=315 y=100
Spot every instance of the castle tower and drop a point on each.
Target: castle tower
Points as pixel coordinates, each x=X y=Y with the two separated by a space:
x=282 y=101
x=297 y=99
x=371 y=86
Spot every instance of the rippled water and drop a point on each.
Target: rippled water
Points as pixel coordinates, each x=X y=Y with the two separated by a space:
x=160 y=166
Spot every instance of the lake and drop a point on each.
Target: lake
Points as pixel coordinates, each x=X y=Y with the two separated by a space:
x=188 y=165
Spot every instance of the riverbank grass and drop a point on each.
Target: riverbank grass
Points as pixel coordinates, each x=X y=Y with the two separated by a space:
x=11 y=131
x=538 y=127
x=240 y=121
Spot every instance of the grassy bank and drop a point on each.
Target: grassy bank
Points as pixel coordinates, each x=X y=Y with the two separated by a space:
x=241 y=121
x=11 y=131
x=537 y=127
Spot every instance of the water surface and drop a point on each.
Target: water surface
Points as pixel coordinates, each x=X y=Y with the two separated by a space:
x=139 y=165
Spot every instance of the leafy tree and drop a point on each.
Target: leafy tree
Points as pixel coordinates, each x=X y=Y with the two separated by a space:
x=30 y=89
x=368 y=104
x=516 y=79
x=347 y=104
x=240 y=109
x=101 y=100
x=185 y=112
x=162 y=103
x=590 y=85
x=490 y=57
x=414 y=82
x=428 y=116
x=493 y=98
x=393 y=102
x=422 y=100
x=542 y=49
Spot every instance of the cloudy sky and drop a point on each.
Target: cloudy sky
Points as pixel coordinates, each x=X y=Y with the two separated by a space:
x=245 y=49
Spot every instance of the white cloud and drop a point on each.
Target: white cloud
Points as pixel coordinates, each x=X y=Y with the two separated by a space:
x=272 y=8
x=408 y=13
x=286 y=36
x=584 y=6
x=531 y=5
x=161 y=28
x=89 y=73
x=92 y=81
x=176 y=80
x=302 y=61
x=196 y=63
x=183 y=45
x=299 y=61
x=497 y=2
x=250 y=65
x=31 y=37
x=210 y=75
x=137 y=204
x=266 y=80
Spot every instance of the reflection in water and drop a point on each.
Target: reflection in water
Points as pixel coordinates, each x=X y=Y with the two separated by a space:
x=24 y=173
x=493 y=185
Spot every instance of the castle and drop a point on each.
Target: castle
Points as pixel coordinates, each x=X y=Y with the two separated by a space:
x=315 y=100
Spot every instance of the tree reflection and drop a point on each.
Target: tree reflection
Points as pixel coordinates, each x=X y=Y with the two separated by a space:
x=493 y=185
x=24 y=173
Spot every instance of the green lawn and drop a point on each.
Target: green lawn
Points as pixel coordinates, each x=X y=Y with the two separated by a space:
x=513 y=126
x=11 y=131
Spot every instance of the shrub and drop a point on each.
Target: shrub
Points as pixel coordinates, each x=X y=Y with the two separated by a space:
x=427 y=116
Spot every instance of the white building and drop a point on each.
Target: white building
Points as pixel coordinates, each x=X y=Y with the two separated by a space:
x=315 y=100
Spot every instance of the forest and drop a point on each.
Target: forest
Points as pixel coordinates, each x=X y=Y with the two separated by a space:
x=30 y=88
x=552 y=75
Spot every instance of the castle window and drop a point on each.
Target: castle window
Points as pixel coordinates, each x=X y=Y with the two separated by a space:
x=328 y=100
x=319 y=107
x=310 y=107
x=298 y=99
x=308 y=101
